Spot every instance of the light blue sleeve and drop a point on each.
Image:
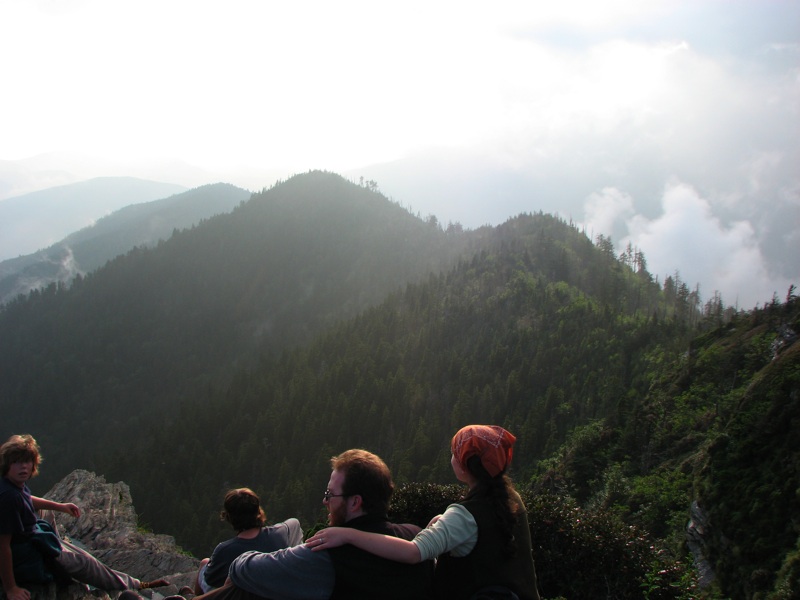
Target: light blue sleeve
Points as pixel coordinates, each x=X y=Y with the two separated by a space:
x=455 y=532
x=294 y=573
x=294 y=531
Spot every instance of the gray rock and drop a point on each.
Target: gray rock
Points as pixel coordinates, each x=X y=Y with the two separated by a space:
x=697 y=532
x=108 y=529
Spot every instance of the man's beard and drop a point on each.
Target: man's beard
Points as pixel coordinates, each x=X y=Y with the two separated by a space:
x=338 y=516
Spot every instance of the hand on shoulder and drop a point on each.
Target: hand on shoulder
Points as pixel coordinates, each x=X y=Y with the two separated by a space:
x=331 y=537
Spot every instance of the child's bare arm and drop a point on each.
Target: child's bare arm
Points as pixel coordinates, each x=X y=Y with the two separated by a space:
x=65 y=507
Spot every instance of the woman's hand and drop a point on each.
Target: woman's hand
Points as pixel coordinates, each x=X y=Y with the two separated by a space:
x=331 y=537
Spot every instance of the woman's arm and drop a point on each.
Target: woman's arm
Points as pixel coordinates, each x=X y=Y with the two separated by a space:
x=385 y=546
x=65 y=507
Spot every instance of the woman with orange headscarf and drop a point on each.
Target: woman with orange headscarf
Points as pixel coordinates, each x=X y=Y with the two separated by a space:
x=482 y=543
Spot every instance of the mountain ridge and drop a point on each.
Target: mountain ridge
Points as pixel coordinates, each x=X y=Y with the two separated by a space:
x=142 y=224
x=24 y=229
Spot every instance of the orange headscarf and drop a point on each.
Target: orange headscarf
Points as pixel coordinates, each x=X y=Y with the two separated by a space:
x=493 y=444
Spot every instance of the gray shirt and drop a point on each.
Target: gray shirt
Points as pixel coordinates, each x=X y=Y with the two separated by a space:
x=296 y=573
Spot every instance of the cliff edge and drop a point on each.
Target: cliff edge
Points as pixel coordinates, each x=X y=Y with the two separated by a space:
x=108 y=529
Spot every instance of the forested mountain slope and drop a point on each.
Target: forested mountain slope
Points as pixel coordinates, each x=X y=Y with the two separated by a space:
x=533 y=331
x=113 y=354
x=141 y=225
x=617 y=409
x=749 y=483
x=715 y=430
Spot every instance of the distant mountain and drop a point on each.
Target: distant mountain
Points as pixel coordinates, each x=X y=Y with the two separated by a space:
x=17 y=178
x=44 y=171
x=39 y=219
x=142 y=224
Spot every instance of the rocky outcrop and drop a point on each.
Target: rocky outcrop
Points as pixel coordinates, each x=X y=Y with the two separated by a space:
x=696 y=535
x=108 y=529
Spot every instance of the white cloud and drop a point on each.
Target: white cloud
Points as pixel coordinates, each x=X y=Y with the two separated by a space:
x=312 y=84
x=687 y=237
x=605 y=210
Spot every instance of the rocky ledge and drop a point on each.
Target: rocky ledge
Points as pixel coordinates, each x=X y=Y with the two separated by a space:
x=108 y=529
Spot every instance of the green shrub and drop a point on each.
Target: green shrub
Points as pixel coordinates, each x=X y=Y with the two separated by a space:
x=578 y=553
x=418 y=503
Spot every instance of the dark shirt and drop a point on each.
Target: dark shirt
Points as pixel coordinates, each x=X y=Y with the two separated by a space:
x=17 y=515
x=269 y=539
x=361 y=575
x=458 y=578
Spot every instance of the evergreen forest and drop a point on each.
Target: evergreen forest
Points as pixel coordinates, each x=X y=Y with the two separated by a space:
x=656 y=434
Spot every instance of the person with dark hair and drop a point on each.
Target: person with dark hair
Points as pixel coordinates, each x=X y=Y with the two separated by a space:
x=483 y=543
x=357 y=497
x=30 y=549
x=242 y=509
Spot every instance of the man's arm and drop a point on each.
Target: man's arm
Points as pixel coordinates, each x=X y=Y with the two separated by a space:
x=294 y=573
x=13 y=592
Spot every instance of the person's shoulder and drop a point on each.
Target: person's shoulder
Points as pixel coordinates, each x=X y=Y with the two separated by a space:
x=407 y=531
x=8 y=488
x=225 y=544
x=459 y=511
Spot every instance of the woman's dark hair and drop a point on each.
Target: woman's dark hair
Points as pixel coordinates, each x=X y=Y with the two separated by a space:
x=243 y=509
x=500 y=491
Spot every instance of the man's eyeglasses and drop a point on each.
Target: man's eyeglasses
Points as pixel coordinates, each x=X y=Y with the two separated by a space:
x=329 y=494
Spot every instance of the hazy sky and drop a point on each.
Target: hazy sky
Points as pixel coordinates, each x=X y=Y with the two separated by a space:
x=673 y=125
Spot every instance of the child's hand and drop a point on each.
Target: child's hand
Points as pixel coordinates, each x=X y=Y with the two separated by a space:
x=18 y=593
x=71 y=509
x=331 y=537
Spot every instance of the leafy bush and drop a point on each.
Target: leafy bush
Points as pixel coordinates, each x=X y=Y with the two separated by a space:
x=579 y=553
x=418 y=503
x=588 y=554
x=787 y=586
